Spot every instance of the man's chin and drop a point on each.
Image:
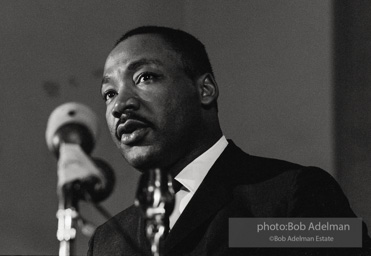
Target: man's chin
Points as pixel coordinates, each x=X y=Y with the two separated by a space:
x=140 y=157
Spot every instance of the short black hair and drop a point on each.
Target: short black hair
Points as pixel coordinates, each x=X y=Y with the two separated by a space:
x=193 y=54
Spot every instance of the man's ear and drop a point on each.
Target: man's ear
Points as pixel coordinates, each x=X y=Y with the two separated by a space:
x=208 y=89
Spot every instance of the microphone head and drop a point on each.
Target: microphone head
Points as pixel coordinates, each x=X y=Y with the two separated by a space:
x=72 y=123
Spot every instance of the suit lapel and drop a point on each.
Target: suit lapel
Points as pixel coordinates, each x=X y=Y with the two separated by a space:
x=213 y=193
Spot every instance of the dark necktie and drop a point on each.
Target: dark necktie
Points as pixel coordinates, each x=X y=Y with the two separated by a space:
x=176 y=185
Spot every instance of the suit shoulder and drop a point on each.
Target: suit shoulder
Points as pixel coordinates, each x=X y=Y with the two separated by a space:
x=124 y=219
x=281 y=188
x=259 y=169
x=256 y=168
x=291 y=169
x=121 y=233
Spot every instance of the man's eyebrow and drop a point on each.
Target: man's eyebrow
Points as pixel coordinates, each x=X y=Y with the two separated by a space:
x=105 y=80
x=142 y=62
x=136 y=65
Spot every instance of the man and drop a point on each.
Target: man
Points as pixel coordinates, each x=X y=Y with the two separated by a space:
x=161 y=99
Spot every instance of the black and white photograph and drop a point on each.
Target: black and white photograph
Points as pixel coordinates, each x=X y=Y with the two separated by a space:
x=185 y=127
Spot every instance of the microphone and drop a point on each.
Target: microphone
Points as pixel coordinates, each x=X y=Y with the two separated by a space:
x=72 y=123
x=156 y=198
x=71 y=133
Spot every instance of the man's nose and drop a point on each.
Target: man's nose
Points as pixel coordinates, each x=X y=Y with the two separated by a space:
x=125 y=101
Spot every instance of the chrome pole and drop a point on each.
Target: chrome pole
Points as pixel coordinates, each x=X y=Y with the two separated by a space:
x=67 y=216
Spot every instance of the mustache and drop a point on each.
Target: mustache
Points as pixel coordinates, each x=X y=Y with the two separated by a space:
x=132 y=116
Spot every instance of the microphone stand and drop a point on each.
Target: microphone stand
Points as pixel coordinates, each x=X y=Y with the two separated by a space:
x=155 y=196
x=67 y=215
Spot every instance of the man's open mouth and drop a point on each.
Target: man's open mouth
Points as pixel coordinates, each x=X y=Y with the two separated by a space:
x=131 y=131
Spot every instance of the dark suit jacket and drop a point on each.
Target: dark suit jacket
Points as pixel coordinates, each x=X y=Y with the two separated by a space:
x=238 y=185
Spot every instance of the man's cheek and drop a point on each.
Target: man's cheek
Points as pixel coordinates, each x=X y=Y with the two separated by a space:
x=155 y=94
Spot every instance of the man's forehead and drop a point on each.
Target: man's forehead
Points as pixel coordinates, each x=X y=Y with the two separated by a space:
x=149 y=48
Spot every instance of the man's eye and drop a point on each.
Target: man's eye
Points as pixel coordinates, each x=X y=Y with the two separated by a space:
x=146 y=77
x=109 y=95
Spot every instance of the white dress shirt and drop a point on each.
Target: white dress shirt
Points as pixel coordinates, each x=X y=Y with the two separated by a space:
x=192 y=176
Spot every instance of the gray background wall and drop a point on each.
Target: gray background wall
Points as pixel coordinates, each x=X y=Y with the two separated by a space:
x=352 y=101
x=273 y=64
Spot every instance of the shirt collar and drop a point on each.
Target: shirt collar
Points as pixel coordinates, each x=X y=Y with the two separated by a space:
x=194 y=173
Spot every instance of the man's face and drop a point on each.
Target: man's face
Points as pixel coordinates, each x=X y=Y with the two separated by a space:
x=153 y=108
